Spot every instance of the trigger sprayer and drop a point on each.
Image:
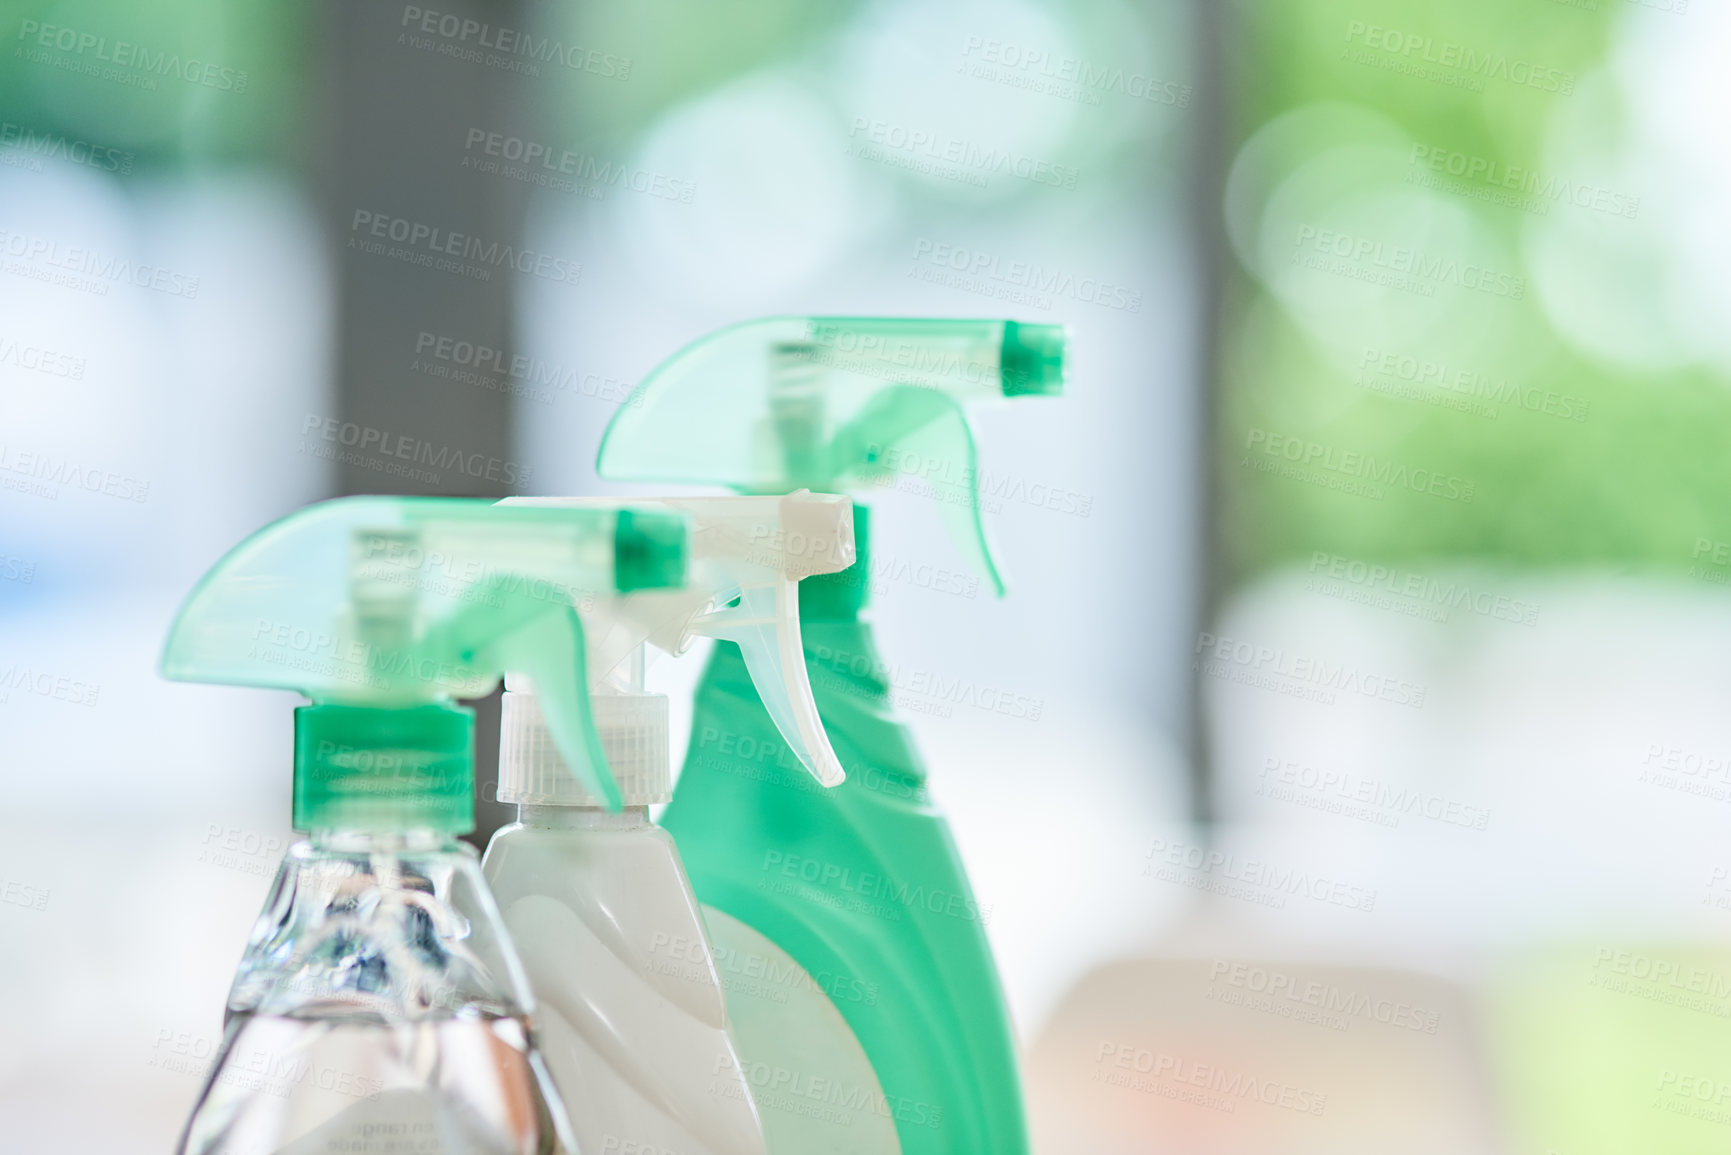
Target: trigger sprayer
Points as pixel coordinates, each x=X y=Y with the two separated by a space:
x=384 y=610
x=836 y=404
x=747 y=558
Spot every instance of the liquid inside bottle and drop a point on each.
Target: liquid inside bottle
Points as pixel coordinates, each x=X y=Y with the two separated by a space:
x=379 y=1009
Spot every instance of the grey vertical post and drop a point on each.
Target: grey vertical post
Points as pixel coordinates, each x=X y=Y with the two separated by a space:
x=1212 y=143
x=395 y=115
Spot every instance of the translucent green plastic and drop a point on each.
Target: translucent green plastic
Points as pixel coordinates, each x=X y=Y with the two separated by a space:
x=383 y=610
x=835 y=404
x=861 y=881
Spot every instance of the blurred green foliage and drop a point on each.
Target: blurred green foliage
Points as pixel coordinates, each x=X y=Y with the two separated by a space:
x=1583 y=462
x=172 y=82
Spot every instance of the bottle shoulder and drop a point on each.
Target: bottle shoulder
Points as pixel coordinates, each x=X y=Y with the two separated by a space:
x=619 y=870
x=393 y=933
x=625 y=893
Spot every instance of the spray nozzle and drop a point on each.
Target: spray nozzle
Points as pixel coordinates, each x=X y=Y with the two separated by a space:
x=835 y=403
x=383 y=610
x=747 y=557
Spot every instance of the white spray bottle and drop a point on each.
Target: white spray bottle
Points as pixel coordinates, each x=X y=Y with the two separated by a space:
x=632 y=1020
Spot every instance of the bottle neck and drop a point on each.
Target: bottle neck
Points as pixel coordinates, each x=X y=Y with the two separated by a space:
x=349 y=841
x=582 y=818
x=384 y=769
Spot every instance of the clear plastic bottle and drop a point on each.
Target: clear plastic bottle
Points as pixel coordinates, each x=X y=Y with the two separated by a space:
x=379 y=1009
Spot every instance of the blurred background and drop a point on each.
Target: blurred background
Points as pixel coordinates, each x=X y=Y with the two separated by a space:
x=1369 y=581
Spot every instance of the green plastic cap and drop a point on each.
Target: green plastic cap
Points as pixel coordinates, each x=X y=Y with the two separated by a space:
x=383 y=610
x=1033 y=360
x=387 y=771
x=649 y=551
x=835 y=404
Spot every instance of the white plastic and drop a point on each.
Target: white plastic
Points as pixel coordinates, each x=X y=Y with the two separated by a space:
x=630 y=1016
x=633 y=732
x=784 y=1020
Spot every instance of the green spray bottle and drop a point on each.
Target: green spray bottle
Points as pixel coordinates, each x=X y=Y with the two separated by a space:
x=380 y=1002
x=862 y=884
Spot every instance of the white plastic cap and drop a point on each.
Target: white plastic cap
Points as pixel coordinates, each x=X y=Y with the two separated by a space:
x=633 y=731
